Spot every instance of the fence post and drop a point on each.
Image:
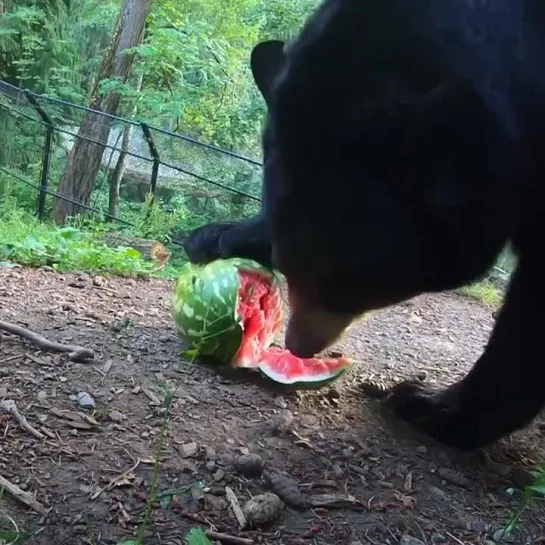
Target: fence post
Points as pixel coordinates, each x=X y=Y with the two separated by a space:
x=46 y=154
x=156 y=159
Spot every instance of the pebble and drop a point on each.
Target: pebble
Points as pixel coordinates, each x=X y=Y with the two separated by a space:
x=338 y=471
x=210 y=453
x=85 y=400
x=187 y=450
x=227 y=458
x=42 y=396
x=479 y=527
x=219 y=475
x=438 y=492
x=422 y=449
x=409 y=540
x=283 y=421
x=262 y=509
x=438 y=539
x=348 y=454
x=500 y=535
x=249 y=465
x=115 y=416
x=453 y=477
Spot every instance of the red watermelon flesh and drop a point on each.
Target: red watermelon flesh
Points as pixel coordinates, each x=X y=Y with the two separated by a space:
x=261 y=310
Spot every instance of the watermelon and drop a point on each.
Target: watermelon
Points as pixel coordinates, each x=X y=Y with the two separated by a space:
x=231 y=310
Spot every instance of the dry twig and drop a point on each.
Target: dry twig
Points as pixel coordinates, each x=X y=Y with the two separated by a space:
x=235 y=506
x=226 y=538
x=9 y=406
x=24 y=497
x=75 y=352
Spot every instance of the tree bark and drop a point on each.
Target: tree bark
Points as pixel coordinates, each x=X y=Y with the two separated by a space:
x=85 y=157
x=114 y=181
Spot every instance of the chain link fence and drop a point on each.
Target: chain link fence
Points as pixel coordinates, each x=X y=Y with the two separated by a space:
x=190 y=181
x=187 y=179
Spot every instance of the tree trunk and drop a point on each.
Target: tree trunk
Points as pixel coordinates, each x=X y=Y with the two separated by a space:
x=85 y=157
x=116 y=176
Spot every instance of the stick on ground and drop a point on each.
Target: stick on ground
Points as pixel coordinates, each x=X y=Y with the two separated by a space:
x=24 y=497
x=75 y=353
x=9 y=406
x=235 y=506
x=226 y=538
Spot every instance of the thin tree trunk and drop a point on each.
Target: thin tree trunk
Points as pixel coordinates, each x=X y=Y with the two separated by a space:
x=116 y=176
x=85 y=158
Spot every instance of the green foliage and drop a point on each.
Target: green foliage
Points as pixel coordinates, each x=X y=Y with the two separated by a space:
x=26 y=241
x=531 y=492
x=196 y=536
x=52 y=46
x=486 y=292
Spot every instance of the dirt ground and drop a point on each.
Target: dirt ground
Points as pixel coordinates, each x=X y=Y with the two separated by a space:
x=363 y=476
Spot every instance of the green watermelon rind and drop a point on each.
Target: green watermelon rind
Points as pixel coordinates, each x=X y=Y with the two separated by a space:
x=205 y=313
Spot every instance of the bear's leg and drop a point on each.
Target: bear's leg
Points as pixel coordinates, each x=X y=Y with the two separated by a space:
x=506 y=387
x=248 y=238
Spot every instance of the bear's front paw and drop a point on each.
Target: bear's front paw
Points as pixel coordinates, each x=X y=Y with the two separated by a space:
x=438 y=413
x=203 y=244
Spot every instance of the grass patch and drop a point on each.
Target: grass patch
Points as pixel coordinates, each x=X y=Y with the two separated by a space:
x=29 y=242
x=486 y=292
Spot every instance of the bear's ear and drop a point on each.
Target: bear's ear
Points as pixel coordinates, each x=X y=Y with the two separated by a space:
x=266 y=61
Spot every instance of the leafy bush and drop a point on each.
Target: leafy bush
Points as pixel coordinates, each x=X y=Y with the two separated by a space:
x=25 y=240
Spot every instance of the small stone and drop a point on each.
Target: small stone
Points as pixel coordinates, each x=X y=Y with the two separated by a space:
x=210 y=465
x=262 y=509
x=219 y=475
x=348 y=454
x=283 y=421
x=453 y=477
x=479 y=527
x=210 y=453
x=438 y=492
x=197 y=492
x=214 y=503
x=227 y=458
x=249 y=465
x=338 y=471
x=98 y=281
x=500 y=535
x=116 y=416
x=438 y=539
x=333 y=394
x=85 y=400
x=187 y=450
x=42 y=396
x=280 y=402
x=409 y=540
x=421 y=449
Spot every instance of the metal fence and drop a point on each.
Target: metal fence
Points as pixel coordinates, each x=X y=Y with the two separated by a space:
x=203 y=181
x=206 y=181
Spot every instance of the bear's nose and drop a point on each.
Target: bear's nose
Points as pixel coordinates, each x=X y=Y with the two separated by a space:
x=310 y=331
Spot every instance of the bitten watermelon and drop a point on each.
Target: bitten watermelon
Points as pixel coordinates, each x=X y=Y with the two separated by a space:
x=231 y=310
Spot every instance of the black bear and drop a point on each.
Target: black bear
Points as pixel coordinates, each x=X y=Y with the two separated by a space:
x=404 y=148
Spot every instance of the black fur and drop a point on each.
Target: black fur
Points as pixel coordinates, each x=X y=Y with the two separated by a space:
x=404 y=147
